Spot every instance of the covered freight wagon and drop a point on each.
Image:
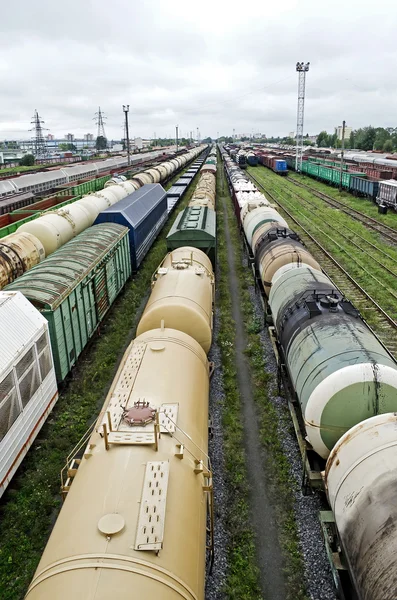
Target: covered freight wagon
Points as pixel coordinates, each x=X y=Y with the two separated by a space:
x=75 y=286
x=28 y=388
x=144 y=213
x=196 y=227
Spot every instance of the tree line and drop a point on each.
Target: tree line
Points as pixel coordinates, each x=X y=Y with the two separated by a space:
x=366 y=138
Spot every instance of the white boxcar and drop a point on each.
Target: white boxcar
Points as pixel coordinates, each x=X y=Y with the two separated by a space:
x=28 y=388
x=387 y=193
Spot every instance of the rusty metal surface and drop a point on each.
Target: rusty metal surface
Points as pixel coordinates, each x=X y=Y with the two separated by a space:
x=47 y=284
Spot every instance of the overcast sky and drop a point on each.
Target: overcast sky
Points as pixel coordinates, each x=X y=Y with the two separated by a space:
x=212 y=64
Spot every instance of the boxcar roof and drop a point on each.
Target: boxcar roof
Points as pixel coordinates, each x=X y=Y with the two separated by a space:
x=51 y=281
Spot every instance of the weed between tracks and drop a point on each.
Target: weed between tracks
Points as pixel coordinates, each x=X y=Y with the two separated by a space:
x=242 y=580
x=364 y=205
x=31 y=504
x=340 y=242
x=243 y=576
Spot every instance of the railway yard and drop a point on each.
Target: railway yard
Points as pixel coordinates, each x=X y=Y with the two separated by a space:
x=259 y=461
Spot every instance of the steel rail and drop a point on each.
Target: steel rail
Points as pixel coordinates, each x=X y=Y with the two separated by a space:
x=387 y=336
x=385 y=230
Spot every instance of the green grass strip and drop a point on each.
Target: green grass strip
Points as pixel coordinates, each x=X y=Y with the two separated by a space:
x=242 y=581
x=277 y=463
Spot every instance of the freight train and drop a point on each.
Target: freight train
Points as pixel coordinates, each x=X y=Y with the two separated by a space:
x=365 y=179
x=70 y=292
x=196 y=225
x=42 y=181
x=56 y=227
x=139 y=495
x=345 y=383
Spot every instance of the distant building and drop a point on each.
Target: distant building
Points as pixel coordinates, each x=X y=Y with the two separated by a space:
x=292 y=134
x=69 y=137
x=88 y=137
x=311 y=138
x=339 y=129
x=50 y=137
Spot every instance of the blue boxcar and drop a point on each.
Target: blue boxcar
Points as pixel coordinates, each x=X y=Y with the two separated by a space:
x=280 y=166
x=144 y=213
x=364 y=187
x=252 y=160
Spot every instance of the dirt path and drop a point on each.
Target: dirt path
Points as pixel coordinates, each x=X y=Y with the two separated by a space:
x=270 y=560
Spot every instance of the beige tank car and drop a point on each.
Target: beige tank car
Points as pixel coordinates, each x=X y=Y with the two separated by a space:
x=182 y=296
x=133 y=525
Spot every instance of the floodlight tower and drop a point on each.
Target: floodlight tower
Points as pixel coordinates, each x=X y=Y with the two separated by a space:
x=126 y=108
x=302 y=68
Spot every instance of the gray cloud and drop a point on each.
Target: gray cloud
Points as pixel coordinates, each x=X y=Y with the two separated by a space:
x=217 y=66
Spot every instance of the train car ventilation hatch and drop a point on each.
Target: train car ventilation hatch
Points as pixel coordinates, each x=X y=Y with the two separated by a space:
x=139 y=414
x=150 y=530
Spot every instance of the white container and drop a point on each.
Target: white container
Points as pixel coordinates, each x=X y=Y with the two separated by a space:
x=154 y=174
x=255 y=217
x=51 y=229
x=90 y=207
x=77 y=215
x=112 y=194
x=27 y=380
x=361 y=480
x=129 y=187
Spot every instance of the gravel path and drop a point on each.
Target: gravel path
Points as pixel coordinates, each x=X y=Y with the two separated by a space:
x=264 y=523
x=216 y=580
x=319 y=581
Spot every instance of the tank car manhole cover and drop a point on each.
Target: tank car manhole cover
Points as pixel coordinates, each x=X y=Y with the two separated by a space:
x=111 y=523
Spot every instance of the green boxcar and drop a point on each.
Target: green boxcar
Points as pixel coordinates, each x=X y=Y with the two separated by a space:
x=75 y=287
x=195 y=226
x=325 y=173
x=312 y=169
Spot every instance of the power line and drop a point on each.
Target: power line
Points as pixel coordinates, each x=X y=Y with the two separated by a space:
x=40 y=147
x=99 y=120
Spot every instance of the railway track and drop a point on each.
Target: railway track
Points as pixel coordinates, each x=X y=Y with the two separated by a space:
x=387 y=232
x=383 y=326
x=366 y=248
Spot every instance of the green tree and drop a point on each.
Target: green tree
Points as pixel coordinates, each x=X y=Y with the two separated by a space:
x=382 y=135
x=352 y=141
x=333 y=141
x=101 y=143
x=207 y=140
x=27 y=160
x=323 y=139
x=388 y=146
x=65 y=146
x=365 y=138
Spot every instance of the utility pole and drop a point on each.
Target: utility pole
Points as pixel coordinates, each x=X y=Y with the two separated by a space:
x=176 y=137
x=302 y=69
x=126 y=108
x=342 y=155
